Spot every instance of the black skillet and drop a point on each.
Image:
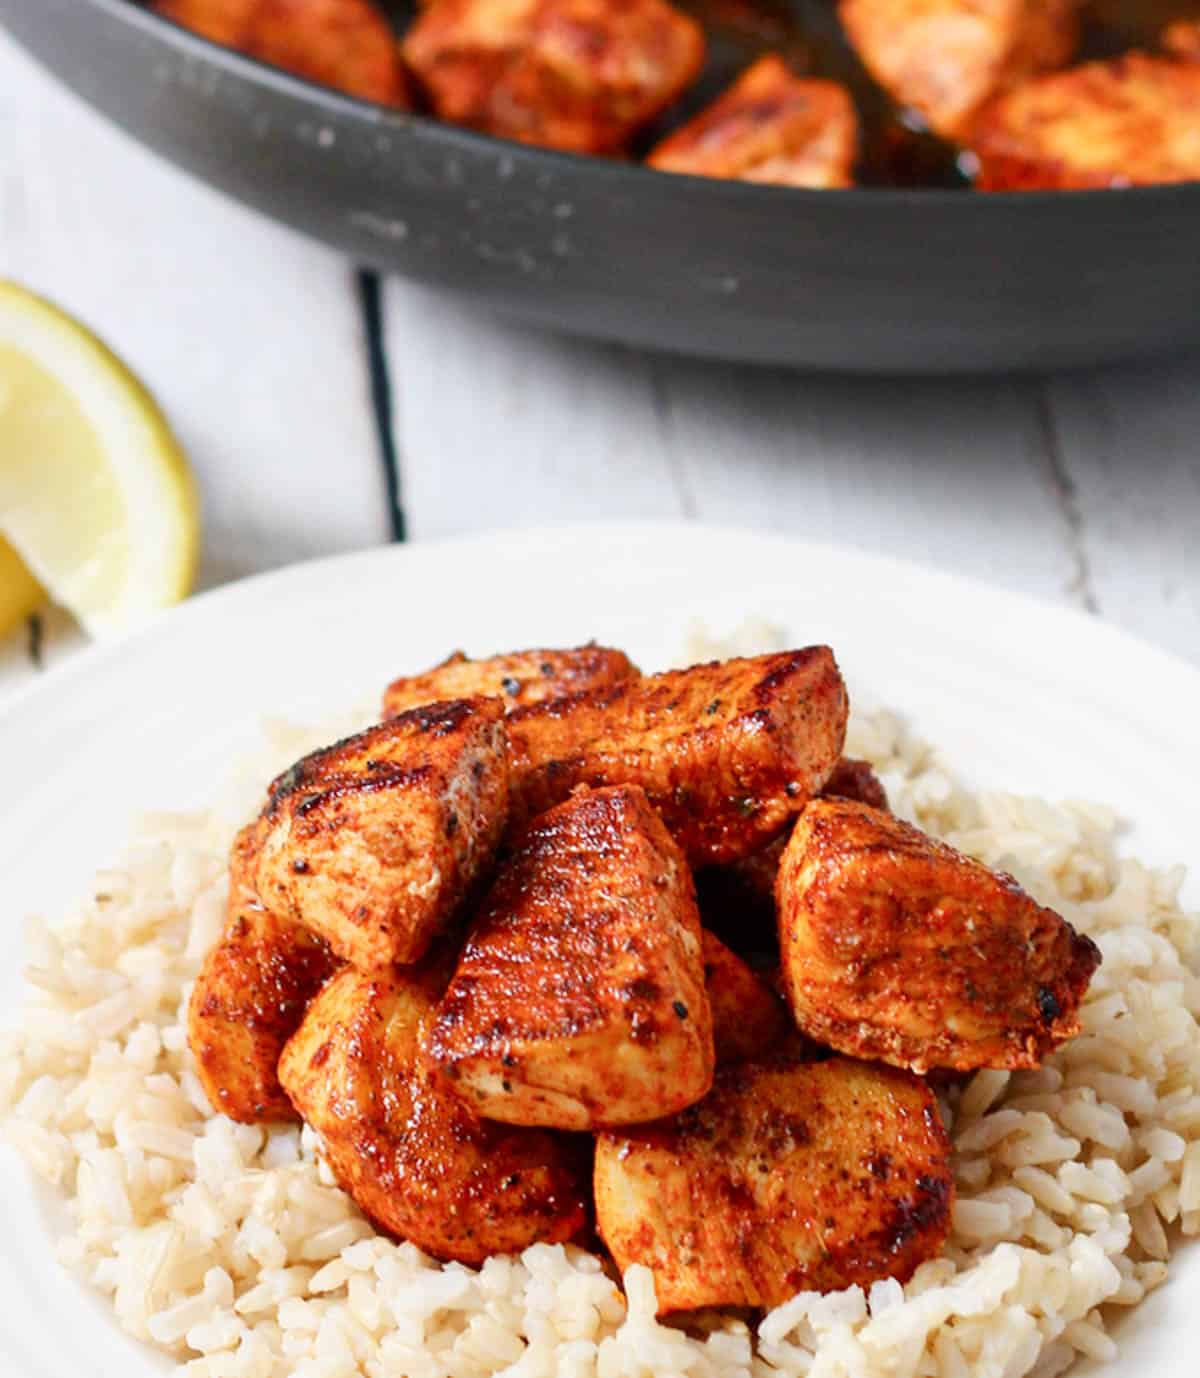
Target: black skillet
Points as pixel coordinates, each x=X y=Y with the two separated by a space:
x=886 y=278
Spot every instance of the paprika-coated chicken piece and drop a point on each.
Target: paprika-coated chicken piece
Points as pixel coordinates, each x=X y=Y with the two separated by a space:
x=346 y=44
x=411 y=1155
x=251 y=995
x=579 y=75
x=946 y=58
x=789 y=1176
x=748 y=1018
x=1132 y=121
x=897 y=948
x=521 y=678
x=376 y=842
x=740 y=898
x=769 y=126
x=727 y=752
x=579 y=999
x=1182 y=39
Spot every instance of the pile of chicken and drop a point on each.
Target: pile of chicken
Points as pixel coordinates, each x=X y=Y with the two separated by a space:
x=475 y=948
x=589 y=76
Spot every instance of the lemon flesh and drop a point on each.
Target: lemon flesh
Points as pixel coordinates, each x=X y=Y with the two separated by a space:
x=95 y=493
x=20 y=592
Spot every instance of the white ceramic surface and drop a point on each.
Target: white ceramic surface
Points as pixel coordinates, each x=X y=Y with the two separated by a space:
x=1020 y=695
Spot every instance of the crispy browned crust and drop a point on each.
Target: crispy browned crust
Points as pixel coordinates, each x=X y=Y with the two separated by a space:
x=346 y=44
x=250 y=997
x=1182 y=39
x=519 y=679
x=727 y=752
x=749 y=1020
x=947 y=58
x=788 y=1176
x=375 y=843
x=581 y=75
x=410 y=1154
x=769 y=126
x=897 y=948
x=1128 y=122
x=579 y=999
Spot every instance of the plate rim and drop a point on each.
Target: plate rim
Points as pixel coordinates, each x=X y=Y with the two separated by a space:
x=892 y=570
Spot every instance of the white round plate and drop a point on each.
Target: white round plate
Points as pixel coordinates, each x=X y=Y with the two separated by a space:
x=1019 y=695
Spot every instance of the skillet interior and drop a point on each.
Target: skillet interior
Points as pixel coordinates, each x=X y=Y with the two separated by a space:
x=883 y=279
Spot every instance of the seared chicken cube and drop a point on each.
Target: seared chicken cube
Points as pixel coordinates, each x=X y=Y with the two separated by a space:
x=579 y=999
x=1133 y=121
x=411 y=1155
x=900 y=949
x=523 y=677
x=748 y=1018
x=1182 y=39
x=727 y=752
x=579 y=75
x=946 y=58
x=769 y=126
x=789 y=1176
x=346 y=44
x=374 y=843
x=251 y=995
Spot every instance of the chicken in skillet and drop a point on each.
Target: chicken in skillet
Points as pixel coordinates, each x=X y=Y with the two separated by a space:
x=946 y=58
x=769 y=126
x=346 y=44
x=1182 y=39
x=1131 y=121
x=578 y=75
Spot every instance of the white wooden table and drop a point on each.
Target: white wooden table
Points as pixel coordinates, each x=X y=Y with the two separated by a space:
x=1082 y=489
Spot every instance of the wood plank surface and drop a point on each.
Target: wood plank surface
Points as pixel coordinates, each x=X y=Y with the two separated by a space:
x=500 y=427
x=1128 y=442
x=1083 y=489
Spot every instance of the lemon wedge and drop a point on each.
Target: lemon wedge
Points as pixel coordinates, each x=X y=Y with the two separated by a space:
x=20 y=592
x=96 y=496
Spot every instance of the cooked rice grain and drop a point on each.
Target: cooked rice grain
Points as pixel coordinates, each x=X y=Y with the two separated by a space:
x=231 y=1247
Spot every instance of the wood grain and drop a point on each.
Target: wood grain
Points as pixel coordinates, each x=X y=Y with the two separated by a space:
x=501 y=427
x=527 y=426
x=949 y=474
x=1128 y=442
